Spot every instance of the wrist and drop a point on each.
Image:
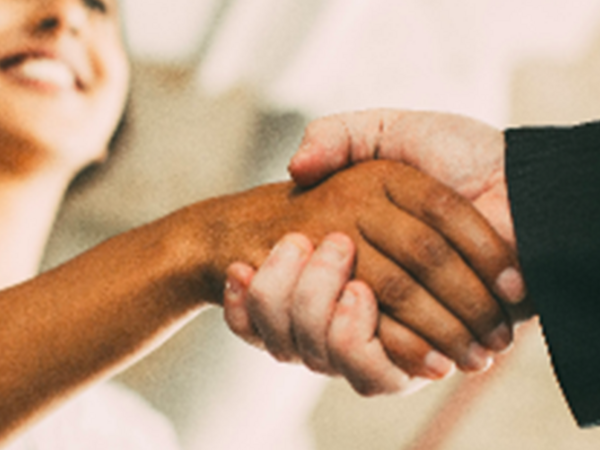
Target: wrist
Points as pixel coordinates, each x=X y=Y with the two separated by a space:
x=211 y=235
x=180 y=260
x=193 y=248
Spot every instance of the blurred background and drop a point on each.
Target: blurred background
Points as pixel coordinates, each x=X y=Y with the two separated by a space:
x=221 y=92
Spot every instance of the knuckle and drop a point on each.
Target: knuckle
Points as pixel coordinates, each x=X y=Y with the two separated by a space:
x=441 y=202
x=317 y=365
x=259 y=296
x=429 y=250
x=395 y=291
x=477 y=309
x=483 y=309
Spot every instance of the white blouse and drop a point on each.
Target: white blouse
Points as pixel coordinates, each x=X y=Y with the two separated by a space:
x=108 y=416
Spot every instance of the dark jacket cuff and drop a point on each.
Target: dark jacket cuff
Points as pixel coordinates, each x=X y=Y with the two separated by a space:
x=553 y=177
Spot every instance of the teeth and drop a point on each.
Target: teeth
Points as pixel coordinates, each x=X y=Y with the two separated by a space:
x=46 y=71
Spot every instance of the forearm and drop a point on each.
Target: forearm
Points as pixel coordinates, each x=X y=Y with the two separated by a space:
x=92 y=316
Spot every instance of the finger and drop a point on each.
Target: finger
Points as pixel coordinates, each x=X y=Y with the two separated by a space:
x=434 y=264
x=316 y=296
x=270 y=294
x=411 y=352
x=463 y=226
x=325 y=149
x=237 y=317
x=402 y=298
x=334 y=142
x=354 y=348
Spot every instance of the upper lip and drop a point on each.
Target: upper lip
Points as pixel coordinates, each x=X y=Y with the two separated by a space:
x=19 y=56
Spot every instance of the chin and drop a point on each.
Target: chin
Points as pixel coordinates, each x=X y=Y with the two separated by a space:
x=36 y=152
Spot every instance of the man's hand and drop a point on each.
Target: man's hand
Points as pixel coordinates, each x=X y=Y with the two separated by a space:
x=464 y=154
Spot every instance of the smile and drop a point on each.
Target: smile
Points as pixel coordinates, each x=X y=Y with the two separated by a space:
x=41 y=71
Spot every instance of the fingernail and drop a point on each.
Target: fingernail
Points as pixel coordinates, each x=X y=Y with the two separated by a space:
x=478 y=358
x=510 y=286
x=233 y=290
x=289 y=248
x=335 y=249
x=414 y=384
x=437 y=365
x=348 y=298
x=499 y=339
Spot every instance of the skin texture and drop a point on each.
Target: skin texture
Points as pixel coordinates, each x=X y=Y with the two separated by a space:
x=465 y=154
x=96 y=314
x=462 y=153
x=62 y=128
x=456 y=312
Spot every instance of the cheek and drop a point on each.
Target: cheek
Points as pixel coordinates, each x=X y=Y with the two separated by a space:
x=110 y=98
x=118 y=74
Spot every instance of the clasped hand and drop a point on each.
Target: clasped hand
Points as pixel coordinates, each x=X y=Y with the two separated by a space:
x=424 y=294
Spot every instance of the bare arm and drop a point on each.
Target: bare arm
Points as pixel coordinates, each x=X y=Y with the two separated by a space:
x=92 y=316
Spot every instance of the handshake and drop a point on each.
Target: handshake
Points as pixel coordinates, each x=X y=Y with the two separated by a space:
x=390 y=272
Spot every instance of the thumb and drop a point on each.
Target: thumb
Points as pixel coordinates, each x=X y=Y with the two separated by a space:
x=333 y=143
x=325 y=149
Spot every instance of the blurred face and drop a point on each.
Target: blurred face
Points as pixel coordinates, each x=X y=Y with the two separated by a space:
x=64 y=77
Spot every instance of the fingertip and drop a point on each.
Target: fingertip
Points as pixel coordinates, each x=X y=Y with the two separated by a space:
x=500 y=339
x=477 y=359
x=342 y=240
x=437 y=366
x=352 y=323
x=241 y=273
x=293 y=247
x=306 y=167
x=348 y=299
x=358 y=303
x=511 y=286
x=239 y=276
x=300 y=240
x=362 y=290
x=324 y=149
x=236 y=285
x=414 y=385
x=287 y=256
x=236 y=314
x=337 y=251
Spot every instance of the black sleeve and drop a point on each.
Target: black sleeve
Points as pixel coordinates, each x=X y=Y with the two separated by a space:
x=553 y=177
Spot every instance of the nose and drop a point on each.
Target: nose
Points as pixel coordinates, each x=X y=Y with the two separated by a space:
x=61 y=15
